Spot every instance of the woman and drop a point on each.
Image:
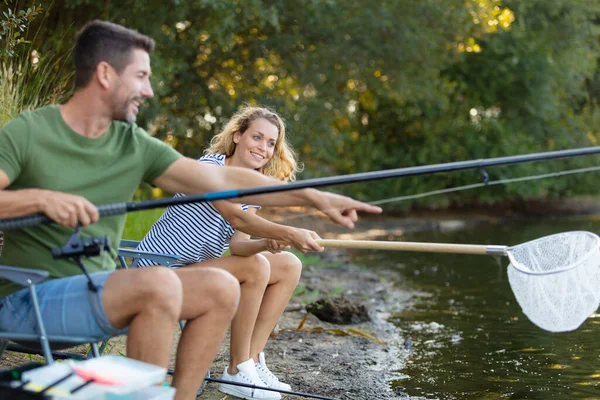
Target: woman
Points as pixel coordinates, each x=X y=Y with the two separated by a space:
x=200 y=233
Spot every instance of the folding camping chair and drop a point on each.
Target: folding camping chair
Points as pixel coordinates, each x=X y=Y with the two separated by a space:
x=48 y=346
x=39 y=343
x=127 y=250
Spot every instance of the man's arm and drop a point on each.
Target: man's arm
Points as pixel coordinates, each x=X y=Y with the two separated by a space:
x=63 y=208
x=191 y=177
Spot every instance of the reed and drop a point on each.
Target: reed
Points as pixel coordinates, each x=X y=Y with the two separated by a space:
x=31 y=80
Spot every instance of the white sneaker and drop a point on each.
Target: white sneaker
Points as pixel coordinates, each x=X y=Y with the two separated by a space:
x=271 y=380
x=246 y=374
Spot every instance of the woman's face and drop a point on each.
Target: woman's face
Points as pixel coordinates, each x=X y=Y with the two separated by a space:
x=256 y=145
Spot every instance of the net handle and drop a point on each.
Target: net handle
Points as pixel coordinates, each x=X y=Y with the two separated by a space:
x=415 y=246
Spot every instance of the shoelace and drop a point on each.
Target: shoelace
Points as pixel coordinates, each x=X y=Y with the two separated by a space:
x=255 y=380
x=251 y=381
x=266 y=371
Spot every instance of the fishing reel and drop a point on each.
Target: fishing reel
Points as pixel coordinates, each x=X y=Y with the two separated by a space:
x=76 y=247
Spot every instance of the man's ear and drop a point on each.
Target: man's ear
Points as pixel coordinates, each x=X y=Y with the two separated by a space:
x=104 y=74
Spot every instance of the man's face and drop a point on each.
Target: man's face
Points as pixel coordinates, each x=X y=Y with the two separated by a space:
x=132 y=88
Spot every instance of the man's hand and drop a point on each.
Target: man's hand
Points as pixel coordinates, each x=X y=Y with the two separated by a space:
x=68 y=209
x=341 y=209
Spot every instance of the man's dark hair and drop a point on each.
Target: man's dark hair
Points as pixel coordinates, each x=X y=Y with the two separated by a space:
x=101 y=41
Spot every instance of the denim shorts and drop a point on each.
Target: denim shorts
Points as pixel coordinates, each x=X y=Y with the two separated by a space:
x=67 y=306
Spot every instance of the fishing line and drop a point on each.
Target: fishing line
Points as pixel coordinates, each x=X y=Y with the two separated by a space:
x=461 y=188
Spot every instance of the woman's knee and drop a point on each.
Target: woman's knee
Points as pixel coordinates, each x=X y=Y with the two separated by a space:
x=258 y=269
x=291 y=267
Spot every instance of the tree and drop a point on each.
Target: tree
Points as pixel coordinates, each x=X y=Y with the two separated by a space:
x=367 y=86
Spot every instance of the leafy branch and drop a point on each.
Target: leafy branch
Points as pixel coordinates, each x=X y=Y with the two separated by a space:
x=13 y=27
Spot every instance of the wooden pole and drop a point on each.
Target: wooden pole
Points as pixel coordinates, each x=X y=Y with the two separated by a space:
x=414 y=246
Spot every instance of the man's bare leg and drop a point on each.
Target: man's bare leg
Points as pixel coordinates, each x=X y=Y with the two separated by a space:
x=152 y=300
x=210 y=300
x=149 y=301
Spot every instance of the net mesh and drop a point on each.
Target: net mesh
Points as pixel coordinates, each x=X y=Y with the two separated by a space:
x=556 y=279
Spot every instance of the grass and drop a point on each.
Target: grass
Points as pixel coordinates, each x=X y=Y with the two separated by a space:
x=29 y=82
x=138 y=223
x=29 y=78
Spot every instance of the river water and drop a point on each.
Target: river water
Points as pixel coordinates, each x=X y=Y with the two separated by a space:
x=465 y=332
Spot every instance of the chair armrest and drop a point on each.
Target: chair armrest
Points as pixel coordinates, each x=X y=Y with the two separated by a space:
x=129 y=243
x=23 y=276
x=162 y=259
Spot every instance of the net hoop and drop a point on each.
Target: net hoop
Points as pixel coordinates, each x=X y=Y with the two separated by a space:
x=526 y=270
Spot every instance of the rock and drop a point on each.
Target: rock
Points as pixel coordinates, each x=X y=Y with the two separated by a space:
x=339 y=310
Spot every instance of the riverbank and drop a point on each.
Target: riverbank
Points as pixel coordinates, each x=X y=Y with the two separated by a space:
x=355 y=361
x=318 y=359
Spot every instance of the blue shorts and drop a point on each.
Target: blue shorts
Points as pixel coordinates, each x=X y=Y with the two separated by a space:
x=67 y=306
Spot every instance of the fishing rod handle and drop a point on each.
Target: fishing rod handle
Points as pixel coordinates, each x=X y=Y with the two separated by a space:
x=414 y=246
x=30 y=221
x=108 y=210
x=26 y=221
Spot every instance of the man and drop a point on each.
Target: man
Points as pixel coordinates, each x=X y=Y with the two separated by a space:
x=61 y=160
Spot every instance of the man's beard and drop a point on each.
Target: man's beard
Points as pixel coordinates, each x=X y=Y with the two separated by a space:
x=124 y=113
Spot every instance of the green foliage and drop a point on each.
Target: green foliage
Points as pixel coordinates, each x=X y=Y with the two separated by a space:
x=368 y=86
x=13 y=26
x=305 y=295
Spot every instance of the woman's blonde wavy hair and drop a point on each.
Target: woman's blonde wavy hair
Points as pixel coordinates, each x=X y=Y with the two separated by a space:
x=282 y=165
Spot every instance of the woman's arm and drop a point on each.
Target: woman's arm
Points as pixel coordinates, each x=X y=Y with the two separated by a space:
x=242 y=245
x=248 y=223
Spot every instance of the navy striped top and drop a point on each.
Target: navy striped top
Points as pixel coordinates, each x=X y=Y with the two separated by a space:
x=196 y=231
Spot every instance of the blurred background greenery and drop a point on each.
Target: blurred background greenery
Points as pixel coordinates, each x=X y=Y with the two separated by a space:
x=362 y=85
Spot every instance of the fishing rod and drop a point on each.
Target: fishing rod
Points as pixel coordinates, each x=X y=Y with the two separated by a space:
x=125 y=207
x=300 y=394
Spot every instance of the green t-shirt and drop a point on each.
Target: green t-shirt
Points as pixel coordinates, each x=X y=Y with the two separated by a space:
x=39 y=150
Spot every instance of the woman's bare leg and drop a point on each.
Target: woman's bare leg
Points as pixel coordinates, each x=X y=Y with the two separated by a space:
x=253 y=274
x=285 y=274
